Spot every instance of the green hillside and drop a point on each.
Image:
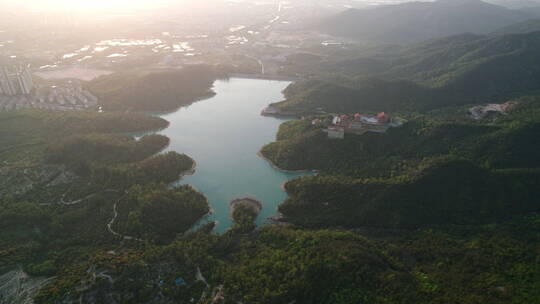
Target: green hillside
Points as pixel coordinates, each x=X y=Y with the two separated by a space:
x=509 y=142
x=456 y=70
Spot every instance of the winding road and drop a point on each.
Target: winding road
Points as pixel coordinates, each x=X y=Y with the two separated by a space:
x=111 y=223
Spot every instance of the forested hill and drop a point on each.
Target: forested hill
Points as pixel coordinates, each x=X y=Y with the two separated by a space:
x=417 y=21
x=455 y=70
x=433 y=170
x=155 y=90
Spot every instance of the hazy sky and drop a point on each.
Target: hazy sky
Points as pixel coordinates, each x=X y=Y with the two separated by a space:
x=82 y=5
x=85 y=5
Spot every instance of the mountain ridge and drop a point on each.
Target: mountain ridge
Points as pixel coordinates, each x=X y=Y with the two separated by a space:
x=417 y=21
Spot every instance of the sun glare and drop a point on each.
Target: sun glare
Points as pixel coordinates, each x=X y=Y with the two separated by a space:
x=92 y=5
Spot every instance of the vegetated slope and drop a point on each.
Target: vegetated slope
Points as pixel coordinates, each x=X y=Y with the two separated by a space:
x=50 y=157
x=372 y=154
x=430 y=171
x=509 y=143
x=25 y=135
x=449 y=192
x=417 y=21
x=282 y=265
x=336 y=96
x=275 y=264
x=104 y=148
x=154 y=90
x=159 y=213
x=61 y=199
x=285 y=265
x=527 y=26
x=451 y=71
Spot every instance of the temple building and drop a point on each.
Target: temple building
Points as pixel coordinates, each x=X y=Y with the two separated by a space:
x=360 y=124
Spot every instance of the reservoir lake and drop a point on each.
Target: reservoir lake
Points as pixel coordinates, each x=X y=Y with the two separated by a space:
x=223 y=135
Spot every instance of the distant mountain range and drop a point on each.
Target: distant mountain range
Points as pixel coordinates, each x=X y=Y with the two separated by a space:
x=418 y=21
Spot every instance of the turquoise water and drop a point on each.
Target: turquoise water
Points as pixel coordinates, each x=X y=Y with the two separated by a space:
x=223 y=134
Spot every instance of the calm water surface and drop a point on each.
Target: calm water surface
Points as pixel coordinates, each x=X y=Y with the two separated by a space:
x=223 y=134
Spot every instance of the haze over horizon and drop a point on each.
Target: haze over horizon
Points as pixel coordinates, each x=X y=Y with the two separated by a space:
x=122 y=6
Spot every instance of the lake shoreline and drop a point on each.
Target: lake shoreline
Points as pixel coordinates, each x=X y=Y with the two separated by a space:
x=224 y=134
x=188 y=172
x=263 y=77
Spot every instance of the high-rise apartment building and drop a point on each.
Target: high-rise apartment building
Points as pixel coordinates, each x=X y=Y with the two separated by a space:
x=15 y=79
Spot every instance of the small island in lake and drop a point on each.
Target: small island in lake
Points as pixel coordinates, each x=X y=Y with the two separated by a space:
x=250 y=203
x=243 y=212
